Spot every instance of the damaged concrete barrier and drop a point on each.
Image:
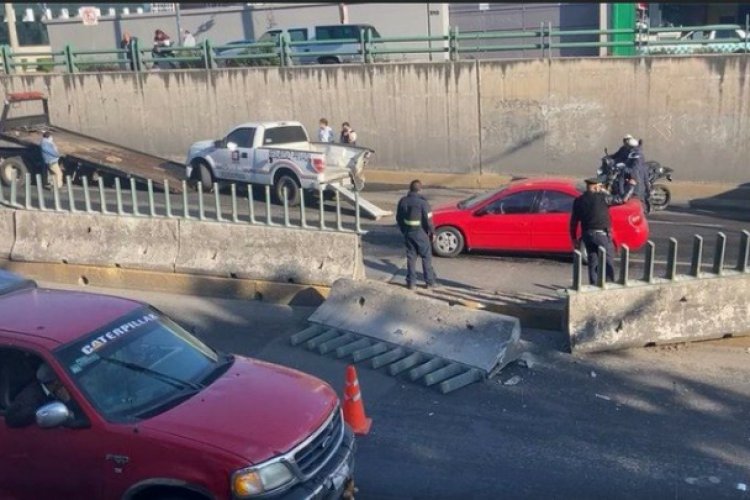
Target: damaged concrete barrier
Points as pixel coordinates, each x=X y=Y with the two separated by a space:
x=93 y=239
x=673 y=311
x=425 y=338
x=285 y=255
x=678 y=308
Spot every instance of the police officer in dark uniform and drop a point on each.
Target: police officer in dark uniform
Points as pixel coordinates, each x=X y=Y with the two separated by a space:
x=591 y=210
x=621 y=155
x=636 y=169
x=414 y=218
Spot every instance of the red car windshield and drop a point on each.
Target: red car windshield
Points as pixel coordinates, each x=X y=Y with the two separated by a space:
x=139 y=365
x=477 y=199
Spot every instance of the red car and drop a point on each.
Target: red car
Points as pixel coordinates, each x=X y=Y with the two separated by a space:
x=528 y=215
x=137 y=408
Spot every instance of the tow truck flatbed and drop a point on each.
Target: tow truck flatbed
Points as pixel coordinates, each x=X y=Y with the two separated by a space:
x=79 y=152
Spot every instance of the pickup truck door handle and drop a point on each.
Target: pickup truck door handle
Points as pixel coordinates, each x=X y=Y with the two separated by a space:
x=243 y=155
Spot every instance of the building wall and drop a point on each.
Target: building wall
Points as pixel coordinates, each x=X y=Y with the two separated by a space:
x=225 y=24
x=518 y=117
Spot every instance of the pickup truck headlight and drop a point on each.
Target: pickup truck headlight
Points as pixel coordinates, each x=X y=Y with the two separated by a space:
x=260 y=479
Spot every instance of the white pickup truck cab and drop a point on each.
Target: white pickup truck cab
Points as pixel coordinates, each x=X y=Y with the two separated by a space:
x=277 y=154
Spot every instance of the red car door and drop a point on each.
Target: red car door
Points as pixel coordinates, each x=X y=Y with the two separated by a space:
x=61 y=462
x=504 y=222
x=552 y=222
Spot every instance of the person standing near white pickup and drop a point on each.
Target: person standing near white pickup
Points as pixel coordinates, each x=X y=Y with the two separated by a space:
x=325 y=133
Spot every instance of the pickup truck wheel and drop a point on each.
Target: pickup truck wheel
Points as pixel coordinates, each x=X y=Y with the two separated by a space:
x=13 y=168
x=293 y=191
x=328 y=60
x=206 y=178
x=449 y=242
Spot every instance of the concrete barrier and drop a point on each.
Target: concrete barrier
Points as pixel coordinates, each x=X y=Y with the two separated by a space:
x=7 y=233
x=672 y=311
x=636 y=313
x=437 y=341
x=276 y=254
x=99 y=240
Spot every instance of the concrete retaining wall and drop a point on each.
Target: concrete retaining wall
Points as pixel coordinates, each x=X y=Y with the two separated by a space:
x=273 y=254
x=670 y=311
x=517 y=117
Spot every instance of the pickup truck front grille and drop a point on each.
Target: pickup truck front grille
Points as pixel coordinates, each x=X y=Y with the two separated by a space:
x=317 y=452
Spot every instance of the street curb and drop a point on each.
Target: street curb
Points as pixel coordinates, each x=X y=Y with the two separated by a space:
x=181 y=284
x=682 y=191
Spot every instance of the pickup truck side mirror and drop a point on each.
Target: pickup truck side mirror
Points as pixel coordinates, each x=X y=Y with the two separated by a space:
x=52 y=415
x=219 y=143
x=481 y=212
x=231 y=146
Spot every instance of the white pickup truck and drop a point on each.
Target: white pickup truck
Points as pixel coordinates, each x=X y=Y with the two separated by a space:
x=277 y=154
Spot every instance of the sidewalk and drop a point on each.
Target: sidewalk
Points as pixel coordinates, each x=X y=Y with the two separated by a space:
x=702 y=195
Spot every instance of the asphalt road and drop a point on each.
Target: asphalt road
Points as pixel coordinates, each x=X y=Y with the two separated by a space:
x=383 y=247
x=665 y=422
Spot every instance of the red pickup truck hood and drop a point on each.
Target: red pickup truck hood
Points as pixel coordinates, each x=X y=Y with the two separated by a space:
x=256 y=410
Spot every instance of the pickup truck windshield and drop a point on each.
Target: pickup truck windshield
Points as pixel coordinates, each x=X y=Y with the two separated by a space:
x=284 y=135
x=141 y=362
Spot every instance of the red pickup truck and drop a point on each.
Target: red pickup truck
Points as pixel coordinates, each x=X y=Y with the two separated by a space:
x=134 y=407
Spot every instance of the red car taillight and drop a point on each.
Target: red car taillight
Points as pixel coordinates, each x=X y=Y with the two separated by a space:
x=318 y=165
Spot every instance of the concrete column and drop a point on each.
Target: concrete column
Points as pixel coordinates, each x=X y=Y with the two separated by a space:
x=343 y=13
x=10 y=18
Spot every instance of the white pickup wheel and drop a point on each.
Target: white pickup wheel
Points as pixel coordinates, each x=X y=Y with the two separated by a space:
x=206 y=177
x=293 y=191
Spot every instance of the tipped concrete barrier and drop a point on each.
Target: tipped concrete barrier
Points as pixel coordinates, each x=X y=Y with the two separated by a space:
x=280 y=254
x=451 y=346
x=99 y=240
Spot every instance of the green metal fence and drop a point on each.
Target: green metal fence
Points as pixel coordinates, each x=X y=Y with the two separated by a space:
x=451 y=47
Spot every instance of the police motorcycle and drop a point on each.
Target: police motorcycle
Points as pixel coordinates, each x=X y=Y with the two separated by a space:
x=609 y=173
x=660 y=195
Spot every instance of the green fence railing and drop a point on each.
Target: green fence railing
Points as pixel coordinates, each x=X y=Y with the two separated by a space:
x=450 y=47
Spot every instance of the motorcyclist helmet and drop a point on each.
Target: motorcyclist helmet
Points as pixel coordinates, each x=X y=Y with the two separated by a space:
x=626 y=138
x=632 y=142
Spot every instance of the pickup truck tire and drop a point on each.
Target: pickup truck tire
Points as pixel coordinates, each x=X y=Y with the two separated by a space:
x=206 y=177
x=10 y=166
x=293 y=190
x=329 y=60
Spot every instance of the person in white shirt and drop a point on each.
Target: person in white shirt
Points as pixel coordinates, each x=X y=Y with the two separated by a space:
x=188 y=40
x=325 y=133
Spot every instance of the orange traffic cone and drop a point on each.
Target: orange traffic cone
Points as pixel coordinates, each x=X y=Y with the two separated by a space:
x=354 y=409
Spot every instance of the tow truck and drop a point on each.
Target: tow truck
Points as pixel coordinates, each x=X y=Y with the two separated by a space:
x=82 y=155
